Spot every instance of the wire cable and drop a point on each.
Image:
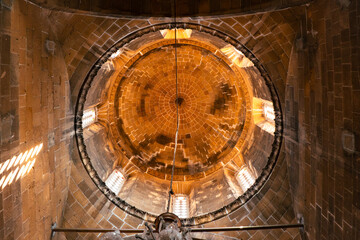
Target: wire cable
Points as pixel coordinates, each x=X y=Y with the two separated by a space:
x=171 y=192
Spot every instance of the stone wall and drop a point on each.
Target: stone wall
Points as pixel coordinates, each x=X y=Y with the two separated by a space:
x=34 y=110
x=322 y=120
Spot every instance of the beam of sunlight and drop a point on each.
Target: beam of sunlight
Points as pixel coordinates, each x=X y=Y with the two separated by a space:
x=33 y=152
x=12 y=161
x=30 y=153
x=22 y=169
x=13 y=175
x=7 y=179
x=2 y=180
x=4 y=166
x=30 y=166
x=18 y=166
x=22 y=159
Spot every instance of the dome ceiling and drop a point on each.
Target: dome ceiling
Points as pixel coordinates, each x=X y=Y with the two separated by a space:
x=227 y=109
x=212 y=110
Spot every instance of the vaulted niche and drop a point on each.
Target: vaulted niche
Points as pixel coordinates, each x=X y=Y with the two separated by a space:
x=230 y=123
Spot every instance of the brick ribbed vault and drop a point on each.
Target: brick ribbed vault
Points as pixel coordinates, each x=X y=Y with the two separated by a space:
x=212 y=110
x=137 y=110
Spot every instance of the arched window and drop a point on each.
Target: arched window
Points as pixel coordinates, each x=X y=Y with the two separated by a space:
x=89 y=117
x=245 y=178
x=115 y=181
x=180 y=33
x=269 y=113
x=180 y=205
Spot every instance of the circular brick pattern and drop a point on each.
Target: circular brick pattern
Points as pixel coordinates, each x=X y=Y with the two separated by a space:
x=115 y=128
x=211 y=110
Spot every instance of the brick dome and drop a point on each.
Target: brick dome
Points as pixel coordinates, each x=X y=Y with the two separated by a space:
x=220 y=92
x=212 y=110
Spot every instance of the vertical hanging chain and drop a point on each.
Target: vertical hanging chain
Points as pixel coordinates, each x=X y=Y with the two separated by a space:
x=171 y=192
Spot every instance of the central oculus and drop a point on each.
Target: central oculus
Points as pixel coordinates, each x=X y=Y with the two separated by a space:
x=179 y=101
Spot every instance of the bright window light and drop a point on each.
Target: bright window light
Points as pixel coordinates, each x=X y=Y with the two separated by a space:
x=245 y=178
x=89 y=117
x=18 y=166
x=236 y=56
x=181 y=205
x=264 y=114
x=269 y=113
x=180 y=33
x=116 y=54
x=115 y=181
